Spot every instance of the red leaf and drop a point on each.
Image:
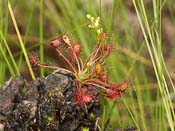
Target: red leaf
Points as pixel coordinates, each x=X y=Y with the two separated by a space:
x=104 y=78
x=83 y=96
x=55 y=43
x=115 y=90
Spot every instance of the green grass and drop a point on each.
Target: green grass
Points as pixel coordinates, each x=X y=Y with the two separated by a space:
x=20 y=40
x=148 y=104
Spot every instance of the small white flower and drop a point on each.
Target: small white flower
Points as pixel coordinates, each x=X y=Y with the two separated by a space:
x=95 y=24
x=99 y=31
x=92 y=19
x=97 y=21
x=88 y=16
x=90 y=26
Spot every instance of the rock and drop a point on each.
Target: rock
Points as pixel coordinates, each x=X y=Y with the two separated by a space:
x=9 y=93
x=47 y=103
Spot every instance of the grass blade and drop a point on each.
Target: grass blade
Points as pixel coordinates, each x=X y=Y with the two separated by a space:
x=20 y=40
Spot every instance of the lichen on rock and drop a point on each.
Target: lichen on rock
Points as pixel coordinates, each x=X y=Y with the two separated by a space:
x=47 y=103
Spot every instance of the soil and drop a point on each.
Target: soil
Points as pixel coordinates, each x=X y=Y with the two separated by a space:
x=47 y=103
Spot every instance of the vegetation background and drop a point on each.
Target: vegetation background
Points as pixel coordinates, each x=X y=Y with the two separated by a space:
x=142 y=30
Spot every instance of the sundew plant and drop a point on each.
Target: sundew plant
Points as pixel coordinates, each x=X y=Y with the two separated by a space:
x=91 y=75
x=122 y=40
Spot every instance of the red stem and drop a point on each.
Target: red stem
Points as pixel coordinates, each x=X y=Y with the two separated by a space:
x=81 y=62
x=98 y=82
x=53 y=67
x=92 y=55
x=91 y=87
x=72 y=67
x=97 y=50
